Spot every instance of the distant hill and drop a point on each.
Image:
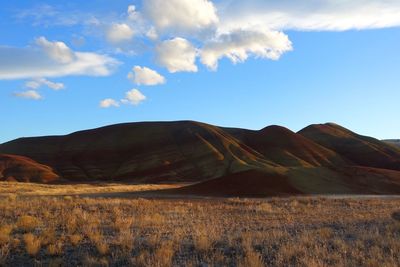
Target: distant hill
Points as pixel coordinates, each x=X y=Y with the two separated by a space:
x=360 y=150
x=286 y=148
x=324 y=158
x=395 y=142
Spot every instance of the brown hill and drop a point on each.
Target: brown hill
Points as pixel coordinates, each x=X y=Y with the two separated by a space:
x=143 y=152
x=22 y=169
x=217 y=161
x=361 y=150
x=395 y=142
x=286 y=148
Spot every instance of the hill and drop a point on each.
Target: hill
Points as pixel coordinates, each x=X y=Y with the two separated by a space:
x=142 y=152
x=22 y=169
x=286 y=148
x=360 y=150
x=395 y=142
x=319 y=159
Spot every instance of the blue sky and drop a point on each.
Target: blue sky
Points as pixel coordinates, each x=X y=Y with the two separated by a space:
x=235 y=63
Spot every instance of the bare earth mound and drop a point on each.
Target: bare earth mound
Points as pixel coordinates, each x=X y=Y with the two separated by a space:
x=287 y=148
x=142 y=152
x=360 y=150
x=22 y=169
x=320 y=159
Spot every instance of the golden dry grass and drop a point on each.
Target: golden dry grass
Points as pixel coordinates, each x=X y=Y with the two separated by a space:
x=32 y=244
x=54 y=231
x=12 y=189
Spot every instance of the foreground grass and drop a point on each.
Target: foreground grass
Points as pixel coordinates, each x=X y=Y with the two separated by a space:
x=58 y=231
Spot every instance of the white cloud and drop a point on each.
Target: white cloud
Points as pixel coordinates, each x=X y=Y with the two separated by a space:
x=108 y=102
x=234 y=29
x=131 y=9
x=239 y=45
x=152 y=34
x=145 y=76
x=181 y=15
x=29 y=94
x=119 y=32
x=57 y=51
x=309 y=14
x=56 y=15
x=39 y=82
x=78 y=41
x=52 y=59
x=132 y=13
x=133 y=97
x=177 y=55
x=34 y=84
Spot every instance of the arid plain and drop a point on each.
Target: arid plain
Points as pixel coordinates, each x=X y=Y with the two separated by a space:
x=97 y=225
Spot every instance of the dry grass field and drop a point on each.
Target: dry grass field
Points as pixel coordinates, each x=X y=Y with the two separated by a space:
x=49 y=225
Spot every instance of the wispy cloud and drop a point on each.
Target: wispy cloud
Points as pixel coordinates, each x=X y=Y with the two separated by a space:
x=39 y=82
x=29 y=94
x=50 y=15
x=327 y=15
x=52 y=59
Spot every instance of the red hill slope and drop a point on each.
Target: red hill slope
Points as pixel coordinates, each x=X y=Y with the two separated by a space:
x=22 y=169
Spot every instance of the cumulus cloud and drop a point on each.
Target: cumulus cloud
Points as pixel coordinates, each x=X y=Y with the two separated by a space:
x=232 y=29
x=177 y=55
x=309 y=15
x=239 y=45
x=29 y=94
x=145 y=76
x=133 y=97
x=119 y=32
x=108 y=102
x=52 y=59
x=39 y=82
x=181 y=15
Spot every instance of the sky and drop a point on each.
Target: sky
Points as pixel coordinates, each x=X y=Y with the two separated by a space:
x=72 y=65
